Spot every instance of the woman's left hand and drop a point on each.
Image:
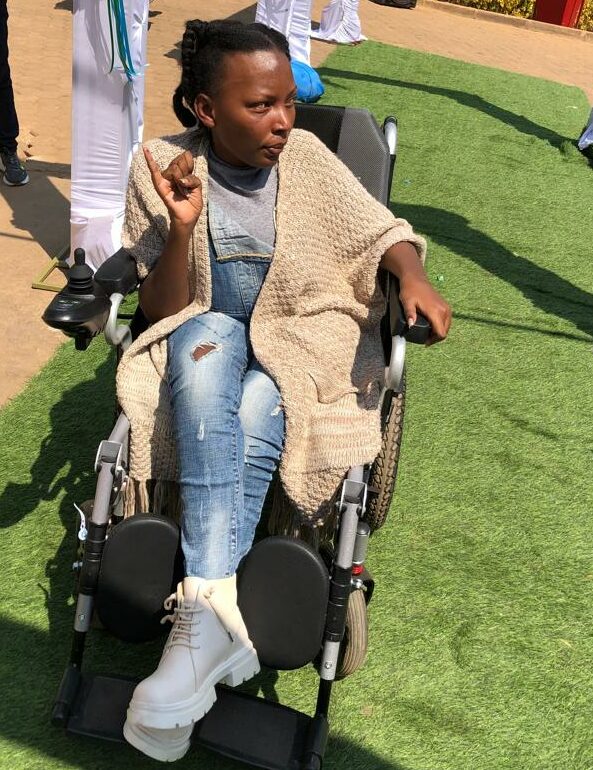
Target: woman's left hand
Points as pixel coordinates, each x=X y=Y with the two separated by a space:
x=417 y=296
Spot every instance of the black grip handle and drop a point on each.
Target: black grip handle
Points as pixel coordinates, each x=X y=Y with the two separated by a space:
x=420 y=333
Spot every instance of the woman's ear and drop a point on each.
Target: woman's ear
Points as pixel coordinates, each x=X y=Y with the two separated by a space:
x=204 y=110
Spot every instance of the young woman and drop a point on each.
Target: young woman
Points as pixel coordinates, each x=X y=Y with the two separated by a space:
x=259 y=253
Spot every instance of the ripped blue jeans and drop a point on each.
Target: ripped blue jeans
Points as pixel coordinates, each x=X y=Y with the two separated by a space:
x=227 y=415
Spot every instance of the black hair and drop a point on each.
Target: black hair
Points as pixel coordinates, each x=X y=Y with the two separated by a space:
x=203 y=48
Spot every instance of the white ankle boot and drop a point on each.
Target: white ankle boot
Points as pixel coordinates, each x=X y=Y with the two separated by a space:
x=207 y=644
x=164 y=745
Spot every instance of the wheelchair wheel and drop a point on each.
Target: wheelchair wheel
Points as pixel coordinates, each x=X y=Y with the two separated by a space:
x=356 y=637
x=384 y=470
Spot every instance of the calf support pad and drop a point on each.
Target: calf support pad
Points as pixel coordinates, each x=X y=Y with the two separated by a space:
x=141 y=566
x=283 y=587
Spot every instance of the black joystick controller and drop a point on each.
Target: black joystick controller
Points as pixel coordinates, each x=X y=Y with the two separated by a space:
x=80 y=275
x=81 y=309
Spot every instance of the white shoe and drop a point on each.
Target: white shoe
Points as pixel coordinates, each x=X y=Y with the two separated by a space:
x=164 y=745
x=207 y=644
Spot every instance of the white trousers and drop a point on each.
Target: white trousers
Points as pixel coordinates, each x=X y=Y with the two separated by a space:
x=107 y=125
x=340 y=23
x=293 y=19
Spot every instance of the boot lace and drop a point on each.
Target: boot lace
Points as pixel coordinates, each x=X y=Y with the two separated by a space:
x=183 y=617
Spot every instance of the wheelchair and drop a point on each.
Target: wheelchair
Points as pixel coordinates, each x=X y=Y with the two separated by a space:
x=302 y=603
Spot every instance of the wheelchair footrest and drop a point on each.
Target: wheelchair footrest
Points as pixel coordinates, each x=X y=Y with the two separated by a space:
x=252 y=730
x=255 y=731
x=99 y=710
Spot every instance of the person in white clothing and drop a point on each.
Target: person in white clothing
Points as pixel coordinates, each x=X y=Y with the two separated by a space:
x=340 y=23
x=293 y=19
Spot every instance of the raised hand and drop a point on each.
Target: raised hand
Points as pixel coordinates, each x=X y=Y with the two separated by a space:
x=178 y=188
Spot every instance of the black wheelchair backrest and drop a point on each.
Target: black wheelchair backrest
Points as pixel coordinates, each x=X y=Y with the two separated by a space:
x=357 y=140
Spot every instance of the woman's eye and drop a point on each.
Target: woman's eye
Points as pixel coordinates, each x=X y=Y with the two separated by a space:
x=260 y=106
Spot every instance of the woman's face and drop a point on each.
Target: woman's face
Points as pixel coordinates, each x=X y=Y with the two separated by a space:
x=251 y=113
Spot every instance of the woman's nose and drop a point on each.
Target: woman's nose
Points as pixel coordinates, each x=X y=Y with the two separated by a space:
x=283 y=120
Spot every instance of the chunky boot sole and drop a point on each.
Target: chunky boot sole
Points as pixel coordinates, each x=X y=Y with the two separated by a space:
x=149 y=742
x=233 y=671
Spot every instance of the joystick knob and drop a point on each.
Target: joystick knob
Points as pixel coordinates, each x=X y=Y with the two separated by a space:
x=80 y=275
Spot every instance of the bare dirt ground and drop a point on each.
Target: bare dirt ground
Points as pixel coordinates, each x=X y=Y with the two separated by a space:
x=34 y=219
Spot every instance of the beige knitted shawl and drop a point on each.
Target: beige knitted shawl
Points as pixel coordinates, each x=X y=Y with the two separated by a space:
x=314 y=327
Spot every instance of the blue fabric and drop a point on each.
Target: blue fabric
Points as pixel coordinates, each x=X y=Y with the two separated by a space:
x=308 y=83
x=238 y=264
x=227 y=414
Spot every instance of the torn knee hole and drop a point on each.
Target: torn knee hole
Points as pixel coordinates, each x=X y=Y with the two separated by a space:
x=203 y=349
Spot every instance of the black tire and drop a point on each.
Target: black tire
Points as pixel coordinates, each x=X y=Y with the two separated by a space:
x=356 y=638
x=384 y=470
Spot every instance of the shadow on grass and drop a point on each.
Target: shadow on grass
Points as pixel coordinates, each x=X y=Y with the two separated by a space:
x=78 y=422
x=31 y=667
x=521 y=327
x=63 y=468
x=543 y=288
x=588 y=153
x=518 y=122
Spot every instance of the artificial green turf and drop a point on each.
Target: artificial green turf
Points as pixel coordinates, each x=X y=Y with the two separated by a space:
x=481 y=625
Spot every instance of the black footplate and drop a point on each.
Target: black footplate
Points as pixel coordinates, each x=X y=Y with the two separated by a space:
x=99 y=710
x=241 y=726
x=255 y=731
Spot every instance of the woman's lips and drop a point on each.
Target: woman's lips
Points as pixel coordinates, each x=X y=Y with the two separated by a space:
x=274 y=150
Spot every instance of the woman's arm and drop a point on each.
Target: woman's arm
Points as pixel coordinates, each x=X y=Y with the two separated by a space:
x=415 y=292
x=165 y=291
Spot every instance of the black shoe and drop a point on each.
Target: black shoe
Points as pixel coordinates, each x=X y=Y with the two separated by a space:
x=14 y=171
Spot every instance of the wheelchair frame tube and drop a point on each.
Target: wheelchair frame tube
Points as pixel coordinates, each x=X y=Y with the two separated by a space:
x=394 y=373
x=111 y=468
x=108 y=464
x=120 y=431
x=352 y=507
x=117 y=334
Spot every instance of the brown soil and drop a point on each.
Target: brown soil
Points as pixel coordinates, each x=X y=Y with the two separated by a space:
x=34 y=219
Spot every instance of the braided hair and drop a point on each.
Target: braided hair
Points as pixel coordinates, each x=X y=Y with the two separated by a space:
x=203 y=48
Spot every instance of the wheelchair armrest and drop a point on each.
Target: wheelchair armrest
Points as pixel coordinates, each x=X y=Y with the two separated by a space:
x=420 y=332
x=117 y=275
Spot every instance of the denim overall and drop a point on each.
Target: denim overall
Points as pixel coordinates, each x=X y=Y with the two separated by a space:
x=227 y=414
